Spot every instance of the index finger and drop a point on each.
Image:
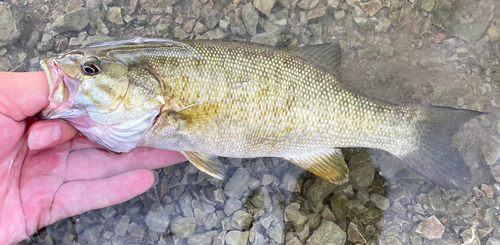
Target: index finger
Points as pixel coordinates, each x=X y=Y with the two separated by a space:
x=23 y=94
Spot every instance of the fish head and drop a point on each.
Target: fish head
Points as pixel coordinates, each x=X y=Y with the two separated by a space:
x=110 y=100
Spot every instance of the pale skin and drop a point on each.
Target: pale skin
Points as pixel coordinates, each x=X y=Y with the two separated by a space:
x=48 y=171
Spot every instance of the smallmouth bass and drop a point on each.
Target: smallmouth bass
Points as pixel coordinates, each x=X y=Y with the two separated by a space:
x=218 y=98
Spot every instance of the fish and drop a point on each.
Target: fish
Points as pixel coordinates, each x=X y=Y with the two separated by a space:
x=211 y=99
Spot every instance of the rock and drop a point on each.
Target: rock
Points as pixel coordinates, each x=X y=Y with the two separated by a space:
x=35 y=63
x=237 y=184
x=11 y=24
x=294 y=241
x=371 y=7
x=430 y=228
x=317 y=12
x=211 y=18
x=354 y=235
x=76 y=42
x=328 y=233
x=491 y=152
x=360 y=21
x=303 y=233
x=46 y=43
x=210 y=221
x=327 y=214
x=437 y=201
x=250 y=18
x=92 y=235
x=183 y=227
x=380 y=201
x=361 y=170
x=200 y=239
x=214 y=34
x=122 y=225
x=164 y=27
x=75 y=20
x=493 y=241
x=340 y=206
x=467 y=20
x=317 y=192
x=73 y=5
x=108 y=212
x=232 y=204
x=137 y=233
x=267 y=38
x=339 y=15
x=392 y=240
x=237 y=238
x=383 y=25
x=426 y=5
x=265 y=220
x=180 y=33
x=261 y=199
x=333 y=3
x=297 y=217
x=276 y=233
x=241 y=220
x=101 y=27
x=157 y=219
x=370 y=52
x=494 y=33
x=264 y=6
x=370 y=215
x=114 y=15
x=470 y=236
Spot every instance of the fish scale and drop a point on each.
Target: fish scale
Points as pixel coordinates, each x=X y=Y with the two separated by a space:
x=232 y=99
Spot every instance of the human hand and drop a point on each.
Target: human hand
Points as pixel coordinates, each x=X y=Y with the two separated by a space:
x=48 y=172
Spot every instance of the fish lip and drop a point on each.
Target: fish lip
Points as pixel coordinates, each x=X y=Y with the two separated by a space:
x=62 y=89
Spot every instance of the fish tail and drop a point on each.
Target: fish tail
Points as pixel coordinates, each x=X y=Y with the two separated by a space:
x=436 y=158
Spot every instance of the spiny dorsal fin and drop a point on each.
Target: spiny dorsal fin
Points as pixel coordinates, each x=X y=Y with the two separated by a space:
x=327 y=56
x=210 y=164
x=331 y=167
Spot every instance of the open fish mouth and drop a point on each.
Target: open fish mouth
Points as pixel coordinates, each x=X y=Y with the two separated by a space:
x=62 y=91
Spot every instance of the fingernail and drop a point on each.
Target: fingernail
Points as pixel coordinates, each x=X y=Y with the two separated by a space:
x=44 y=136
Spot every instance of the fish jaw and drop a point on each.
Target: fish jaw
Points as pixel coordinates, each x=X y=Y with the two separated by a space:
x=62 y=92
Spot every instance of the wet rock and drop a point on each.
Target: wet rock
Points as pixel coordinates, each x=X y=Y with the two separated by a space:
x=426 y=5
x=101 y=27
x=163 y=28
x=122 y=225
x=237 y=184
x=392 y=240
x=467 y=20
x=328 y=233
x=250 y=18
x=327 y=214
x=73 y=5
x=11 y=23
x=493 y=241
x=75 y=20
x=340 y=206
x=183 y=227
x=34 y=63
x=214 y=34
x=317 y=193
x=265 y=220
x=237 y=238
x=108 y=212
x=317 y=12
x=470 y=236
x=76 y=42
x=371 y=7
x=157 y=219
x=261 y=199
x=264 y=6
x=232 y=204
x=383 y=25
x=241 y=220
x=339 y=15
x=180 y=33
x=46 y=43
x=92 y=235
x=294 y=241
x=333 y=3
x=380 y=201
x=438 y=203
x=185 y=205
x=491 y=151
x=211 y=18
x=210 y=221
x=369 y=52
x=200 y=239
x=360 y=21
x=276 y=233
x=303 y=233
x=114 y=15
x=494 y=33
x=361 y=171
x=266 y=38
x=370 y=215
x=353 y=233
x=430 y=228
x=137 y=233
x=297 y=217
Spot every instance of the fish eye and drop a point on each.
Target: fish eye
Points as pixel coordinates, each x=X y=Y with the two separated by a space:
x=90 y=66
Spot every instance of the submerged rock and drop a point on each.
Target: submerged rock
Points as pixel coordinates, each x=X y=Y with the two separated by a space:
x=430 y=228
x=328 y=233
x=11 y=23
x=75 y=20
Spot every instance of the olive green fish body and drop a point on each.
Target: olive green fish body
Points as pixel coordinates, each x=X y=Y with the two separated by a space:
x=214 y=98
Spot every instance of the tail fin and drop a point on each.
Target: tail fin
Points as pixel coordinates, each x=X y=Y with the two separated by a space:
x=436 y=158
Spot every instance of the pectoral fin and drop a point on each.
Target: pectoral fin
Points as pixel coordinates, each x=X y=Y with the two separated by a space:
x=210 y=164
x=199 y=115
x=331 y=167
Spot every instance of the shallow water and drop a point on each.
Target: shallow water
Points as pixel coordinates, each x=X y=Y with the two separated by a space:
x=424 y=51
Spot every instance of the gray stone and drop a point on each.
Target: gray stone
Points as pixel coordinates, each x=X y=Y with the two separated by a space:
x=267 y=179
x=339 y=15
x=361 y=171
x=426 y=5
x=333 y=3
x=392 y=240
x=253 y=184
x=5 y=64
x=157 y=219
x=340 y=206
x=353 y=233
x=267 y=38
x=370 y=215
x=164 y=27
x=46 y=43
x=317 y=12
x=261 y=199
x=200 y=239
x=294 y=241
x=237 y=184
x=264 y=6
x=317 y=192
x=470 y=236
x=328 y=233
x=438 y=203
x=180 y=33
x=114 y=15
x=430 y=228
x=237 y=238
x=75 y=20
x=101 y=27
x=210 y=221
x=232 y=204
x=137 y=233
x=371 y=7
x=493 y=241
x=380 y=201
x=108 y=212
x=76 y=42
x=91 y=235
x=185 y=205
x=250 y=18
x=214 y=34
x=122 y=225
x=369 y=52
x=241 y=220
x=265 y=220
x=297 y=217
x=383 y=25
x=211 y=18
x=276 y=233
x=35 y=63
x=183 y=227
x=11 y=24
x=360 y=21
x=73 y=5
x=491 y=151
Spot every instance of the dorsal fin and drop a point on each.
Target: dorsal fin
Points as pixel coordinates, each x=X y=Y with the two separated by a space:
x=328 y=56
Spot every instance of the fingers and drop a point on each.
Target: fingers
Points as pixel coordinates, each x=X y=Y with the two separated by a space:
x=94 y=164
x=23 y=94
x=43 y=134
x=77 y=197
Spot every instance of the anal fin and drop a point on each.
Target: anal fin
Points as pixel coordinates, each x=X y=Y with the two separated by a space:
x=331 y=166
x=210 y=164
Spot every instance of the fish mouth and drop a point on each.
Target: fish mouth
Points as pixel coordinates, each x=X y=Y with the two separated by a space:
x=62 y=89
